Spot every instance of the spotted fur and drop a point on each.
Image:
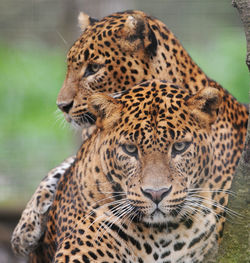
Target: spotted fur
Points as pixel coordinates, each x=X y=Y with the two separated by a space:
x=31 y=225
x=150 y=184
x=111 y=55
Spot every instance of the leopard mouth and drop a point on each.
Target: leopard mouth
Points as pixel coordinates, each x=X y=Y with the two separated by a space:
x=157 y=212
x=159 y=216
x=81 y=121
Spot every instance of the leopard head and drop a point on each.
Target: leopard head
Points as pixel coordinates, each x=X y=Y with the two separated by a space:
x=118 y=52
x=155 y=147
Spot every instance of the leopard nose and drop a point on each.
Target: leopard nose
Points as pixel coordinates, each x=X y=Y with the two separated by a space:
x=65 y=106
x=156 y=195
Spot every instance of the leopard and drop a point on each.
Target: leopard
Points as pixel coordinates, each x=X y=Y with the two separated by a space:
x=34 y=217
x=146 y=186
x=112 y=55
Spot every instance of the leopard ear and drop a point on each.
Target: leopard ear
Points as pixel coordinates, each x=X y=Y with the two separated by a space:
x=205 y=105
x=138 y=34
x=85 y=20
x=106 y=109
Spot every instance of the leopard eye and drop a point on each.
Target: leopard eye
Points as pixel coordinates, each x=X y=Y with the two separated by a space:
x=130 y=149
x=179 y=147
x=91 y=69
x=94 y=67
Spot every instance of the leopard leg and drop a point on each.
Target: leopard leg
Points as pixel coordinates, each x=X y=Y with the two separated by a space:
x=31 y=225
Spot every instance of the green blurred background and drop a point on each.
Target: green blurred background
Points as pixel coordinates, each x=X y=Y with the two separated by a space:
x=34 y=38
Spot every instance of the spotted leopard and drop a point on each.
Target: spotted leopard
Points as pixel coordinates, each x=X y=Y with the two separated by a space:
x=150 y=184
x=111 y=55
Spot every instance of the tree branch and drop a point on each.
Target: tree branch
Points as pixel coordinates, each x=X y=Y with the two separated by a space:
x=235 y=244
x=243 y=7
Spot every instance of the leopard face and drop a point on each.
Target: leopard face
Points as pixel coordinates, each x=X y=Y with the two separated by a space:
x=162 y=147
x=118 y=52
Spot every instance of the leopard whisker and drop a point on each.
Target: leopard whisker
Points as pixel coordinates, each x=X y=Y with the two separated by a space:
x=106 y=226
x=102 y=206
x=107 y=198
x=115 y=202
x=123 y=193
x=132 y=216
x=198 y=204
x=58 y=115
x=202 y=190
x=195 y=213
x=104 y=215
x=60 y=119
x=100 y=183
x=229 y=211
x=127 y=209
x=127 y=216
x=89 y=116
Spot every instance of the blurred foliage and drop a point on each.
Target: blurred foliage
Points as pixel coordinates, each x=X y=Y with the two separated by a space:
x=34 y=141
x=224 y=61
